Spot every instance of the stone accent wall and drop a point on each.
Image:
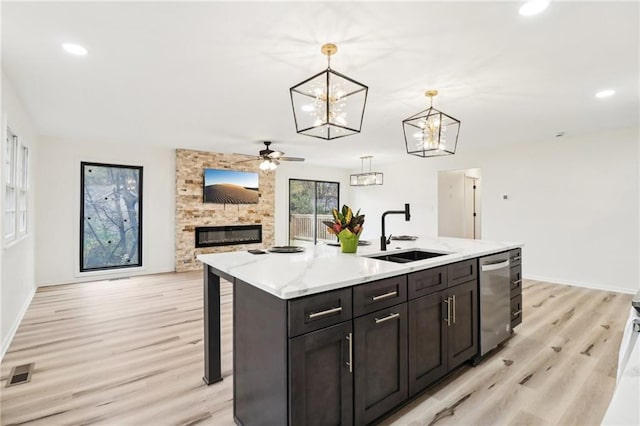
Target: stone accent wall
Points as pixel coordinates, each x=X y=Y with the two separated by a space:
x=191 y=211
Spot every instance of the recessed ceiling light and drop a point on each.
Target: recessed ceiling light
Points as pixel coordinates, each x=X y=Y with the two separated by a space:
x=533 y=7
x=74 y=49
x=605 y=93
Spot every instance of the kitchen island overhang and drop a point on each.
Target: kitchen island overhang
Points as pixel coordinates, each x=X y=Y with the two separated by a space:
x=284 y=285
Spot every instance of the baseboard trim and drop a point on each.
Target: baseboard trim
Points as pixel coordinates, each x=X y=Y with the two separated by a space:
x=14 y=328
x=594 y=286
x=103 y=277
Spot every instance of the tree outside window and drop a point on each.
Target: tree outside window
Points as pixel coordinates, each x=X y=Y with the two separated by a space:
x=111 y=209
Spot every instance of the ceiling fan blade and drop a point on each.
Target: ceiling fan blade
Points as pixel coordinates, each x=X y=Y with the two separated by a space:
x=246 y=155
x=291 y=158
x=250 y=159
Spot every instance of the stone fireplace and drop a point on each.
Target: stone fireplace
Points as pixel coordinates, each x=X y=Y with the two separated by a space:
x=192 y=212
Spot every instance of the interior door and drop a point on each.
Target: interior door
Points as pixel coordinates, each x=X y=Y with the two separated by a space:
x=471 y=208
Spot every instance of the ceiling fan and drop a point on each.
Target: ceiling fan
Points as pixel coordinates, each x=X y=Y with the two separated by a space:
x=270 y=158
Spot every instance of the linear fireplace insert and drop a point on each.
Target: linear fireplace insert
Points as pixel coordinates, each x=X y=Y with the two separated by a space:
x=211 y=236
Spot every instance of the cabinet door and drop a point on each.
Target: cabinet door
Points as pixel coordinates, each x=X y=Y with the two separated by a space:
x=320 y=377
x=427 y=341
x=463 y=332
x=380 y=362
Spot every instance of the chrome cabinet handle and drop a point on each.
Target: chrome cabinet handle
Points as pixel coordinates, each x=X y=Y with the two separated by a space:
x=327 y=312
x=454 y=308
x=387 y=318
x=516 y=282
x=350 y=363
x=516 y=313
x=384 y=296
x=515 y=258
x=448 y=318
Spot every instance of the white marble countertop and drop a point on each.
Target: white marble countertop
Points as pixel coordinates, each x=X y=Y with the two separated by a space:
x=322 y=267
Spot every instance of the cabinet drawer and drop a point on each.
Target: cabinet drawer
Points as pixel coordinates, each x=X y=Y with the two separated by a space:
x=320 y=310
x=462 y=272
x=426 y=282
x=514 y=256
x=381 y=294
x=516 y=310
x=515 y=281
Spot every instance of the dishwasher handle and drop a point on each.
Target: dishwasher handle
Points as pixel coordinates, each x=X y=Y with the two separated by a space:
x=494 y=265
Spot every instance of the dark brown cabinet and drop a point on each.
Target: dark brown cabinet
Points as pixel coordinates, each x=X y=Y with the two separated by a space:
x=320 y=377
x=351 y=355
x=427 y=341
x=462 y=338
x=380 y=362
x=443 y=333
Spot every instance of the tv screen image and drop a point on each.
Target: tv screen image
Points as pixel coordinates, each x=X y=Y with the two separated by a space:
x=230 y=187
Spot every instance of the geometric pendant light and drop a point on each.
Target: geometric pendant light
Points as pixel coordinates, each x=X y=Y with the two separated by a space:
x=328 y=105
x=366 y=178
x=431 y=133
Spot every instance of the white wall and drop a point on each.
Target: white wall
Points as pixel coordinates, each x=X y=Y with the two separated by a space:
x=17 y=260
x=573 y=202
x=287 y=171
x=58 y=214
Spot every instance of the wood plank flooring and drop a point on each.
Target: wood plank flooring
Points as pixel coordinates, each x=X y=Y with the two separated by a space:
x=129 y=352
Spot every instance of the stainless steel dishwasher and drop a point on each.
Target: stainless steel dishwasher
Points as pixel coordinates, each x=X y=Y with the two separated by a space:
x=495 y=301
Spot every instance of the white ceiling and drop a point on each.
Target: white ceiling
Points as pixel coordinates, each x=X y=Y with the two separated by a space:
x=215 y=76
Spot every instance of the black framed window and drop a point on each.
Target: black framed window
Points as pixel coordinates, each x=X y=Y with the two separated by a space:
x=310 y=203
x=110 y=216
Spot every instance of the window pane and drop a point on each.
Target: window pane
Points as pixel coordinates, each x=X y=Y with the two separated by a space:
x=326 y=200
x=310 y=203
x=301 y=206
x=9 y=223
x=111 y=210
x=22 y=212
x=9 y=158
x=24 y=168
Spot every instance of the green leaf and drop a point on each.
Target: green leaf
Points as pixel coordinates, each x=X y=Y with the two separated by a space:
x=348 y=216
x=335 y=214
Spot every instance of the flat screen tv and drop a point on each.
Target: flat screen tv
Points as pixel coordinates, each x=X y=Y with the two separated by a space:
x=230 y=187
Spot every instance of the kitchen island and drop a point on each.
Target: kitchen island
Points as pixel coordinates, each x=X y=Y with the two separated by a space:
x=322 y=337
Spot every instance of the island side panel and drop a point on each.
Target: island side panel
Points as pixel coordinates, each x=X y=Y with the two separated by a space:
x=259 y=357
x=212 y=360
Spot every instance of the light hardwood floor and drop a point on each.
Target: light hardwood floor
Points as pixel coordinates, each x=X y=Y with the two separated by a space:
x=129 y=352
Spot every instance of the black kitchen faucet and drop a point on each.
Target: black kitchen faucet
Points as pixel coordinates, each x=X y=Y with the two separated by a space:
x=407 y=217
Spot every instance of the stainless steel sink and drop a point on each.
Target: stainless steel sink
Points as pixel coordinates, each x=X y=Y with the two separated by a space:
x=407 y=256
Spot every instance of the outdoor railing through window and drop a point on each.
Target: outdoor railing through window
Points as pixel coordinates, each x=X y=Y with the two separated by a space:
x=302 y=227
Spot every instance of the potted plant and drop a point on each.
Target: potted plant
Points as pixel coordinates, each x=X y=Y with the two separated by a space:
x=347 y=227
